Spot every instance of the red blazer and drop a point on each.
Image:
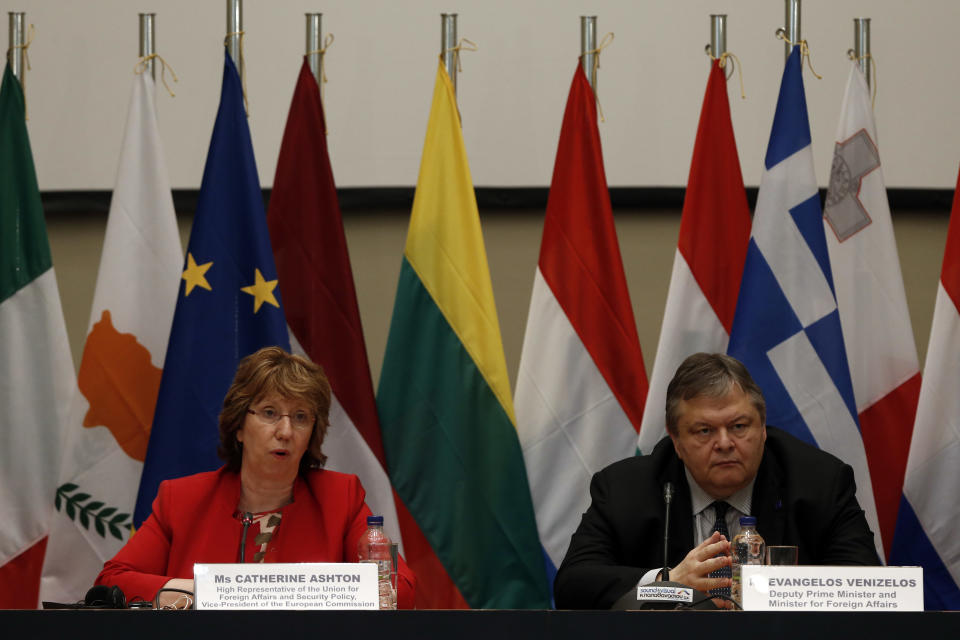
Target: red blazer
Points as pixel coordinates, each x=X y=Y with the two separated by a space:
x=193 y=521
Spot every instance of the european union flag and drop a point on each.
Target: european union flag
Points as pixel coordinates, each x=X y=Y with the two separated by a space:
x=228 y=307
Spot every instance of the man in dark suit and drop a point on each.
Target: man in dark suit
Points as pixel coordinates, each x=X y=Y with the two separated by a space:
x=722 y=459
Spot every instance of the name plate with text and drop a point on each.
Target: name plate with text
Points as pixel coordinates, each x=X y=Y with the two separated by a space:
x=286 y=586
x=808 y=588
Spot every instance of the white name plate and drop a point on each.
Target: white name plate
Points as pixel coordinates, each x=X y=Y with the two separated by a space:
x=779 y=588
x=286 y=586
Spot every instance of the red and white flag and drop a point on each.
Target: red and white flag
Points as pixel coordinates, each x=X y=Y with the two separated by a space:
x=926 y=532
x=582 y=382
x=119 y=377
x=711 y=250
x=872 y=303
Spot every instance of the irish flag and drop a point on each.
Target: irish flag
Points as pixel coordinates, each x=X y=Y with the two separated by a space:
x=444 y=399
x=36 y=371
x=119 y=376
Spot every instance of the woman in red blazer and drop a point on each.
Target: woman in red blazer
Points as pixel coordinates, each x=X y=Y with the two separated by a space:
x=272 y=427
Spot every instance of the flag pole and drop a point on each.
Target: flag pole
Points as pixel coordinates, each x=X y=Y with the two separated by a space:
x=234 y=28
x=588 y=49
x=314 y=44
x=448 y=40
x=861 y=45
x=718 y=34
x=792 y=26
x=17 y=20
x=147 y=42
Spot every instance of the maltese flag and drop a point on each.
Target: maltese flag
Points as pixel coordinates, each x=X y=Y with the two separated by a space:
x=873 y=305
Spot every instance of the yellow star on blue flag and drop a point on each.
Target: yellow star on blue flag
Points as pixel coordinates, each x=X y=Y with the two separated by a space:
x=195 y=275
x=213 y=331
x=262 y=291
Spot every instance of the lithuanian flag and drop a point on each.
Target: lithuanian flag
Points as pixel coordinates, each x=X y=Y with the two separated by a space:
x=444 y=400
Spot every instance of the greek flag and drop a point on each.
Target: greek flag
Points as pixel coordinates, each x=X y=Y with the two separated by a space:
x=786 y=328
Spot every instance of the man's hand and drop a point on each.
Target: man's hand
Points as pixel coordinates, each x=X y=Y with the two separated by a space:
x=712 y=554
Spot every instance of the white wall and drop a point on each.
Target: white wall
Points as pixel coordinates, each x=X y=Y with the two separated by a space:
x=512 y=92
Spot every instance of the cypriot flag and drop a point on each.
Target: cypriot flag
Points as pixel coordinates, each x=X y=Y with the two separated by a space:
x=119 y=376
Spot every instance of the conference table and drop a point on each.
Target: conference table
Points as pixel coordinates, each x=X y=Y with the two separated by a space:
x=479 y=625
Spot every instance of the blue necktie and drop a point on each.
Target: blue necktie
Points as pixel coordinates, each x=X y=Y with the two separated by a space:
x=720 y=524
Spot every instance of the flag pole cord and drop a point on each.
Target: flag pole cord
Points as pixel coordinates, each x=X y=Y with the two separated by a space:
x=144 y=65
x=18 y=42
x=735 y=64
x=594 y=54
x=322 y=52
x=872 y=67
x=804 y=51
x=463 y=45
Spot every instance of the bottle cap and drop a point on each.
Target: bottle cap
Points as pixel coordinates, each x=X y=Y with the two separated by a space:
x=374 y=521
x=745 y=521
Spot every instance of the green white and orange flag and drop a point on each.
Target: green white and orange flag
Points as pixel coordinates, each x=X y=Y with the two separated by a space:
x=36 y=370
x=444 y=399
x=119 y=376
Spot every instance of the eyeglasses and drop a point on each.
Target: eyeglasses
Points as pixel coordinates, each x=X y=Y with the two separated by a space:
x=269 y=415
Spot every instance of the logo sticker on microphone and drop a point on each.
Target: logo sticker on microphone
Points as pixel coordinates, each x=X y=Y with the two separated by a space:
x=669 y=594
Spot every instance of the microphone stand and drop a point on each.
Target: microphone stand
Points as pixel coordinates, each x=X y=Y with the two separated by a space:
x=247 y=520
x=667 y=499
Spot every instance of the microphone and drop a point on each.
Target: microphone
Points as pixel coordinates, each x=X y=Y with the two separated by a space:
x=247 y=520
x=667 y=499
x=664 y=594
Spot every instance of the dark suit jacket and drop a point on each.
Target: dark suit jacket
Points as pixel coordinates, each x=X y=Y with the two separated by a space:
x=193 y=521
x=802 y=496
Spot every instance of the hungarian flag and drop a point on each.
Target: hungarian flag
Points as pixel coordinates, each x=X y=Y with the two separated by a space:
x=926 y=533
x=228 y=304
x=119 y=377
x=444 y=399
x=872 y=302
x=708 y=264
x=580 y=328
x=313 y=266
x=786 y=328
x=36 y=369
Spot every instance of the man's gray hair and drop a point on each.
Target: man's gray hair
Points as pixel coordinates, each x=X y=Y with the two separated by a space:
x=712 y=375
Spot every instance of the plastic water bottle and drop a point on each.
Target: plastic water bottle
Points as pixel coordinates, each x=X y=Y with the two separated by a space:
x=374 y=546
x=747 y=548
